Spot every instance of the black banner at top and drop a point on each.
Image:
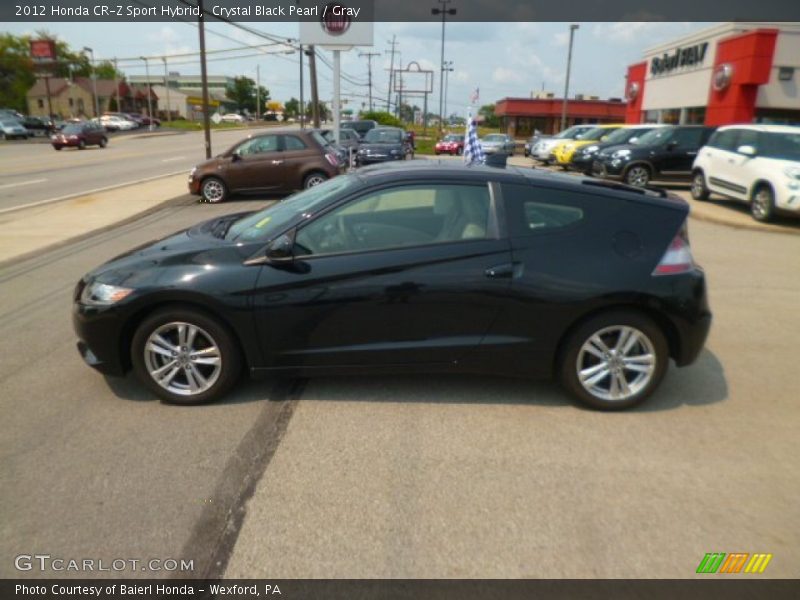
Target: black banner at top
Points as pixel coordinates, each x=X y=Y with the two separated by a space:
x=32 y=11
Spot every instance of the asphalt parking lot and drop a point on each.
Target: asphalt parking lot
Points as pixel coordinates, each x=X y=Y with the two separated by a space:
x=400 y=476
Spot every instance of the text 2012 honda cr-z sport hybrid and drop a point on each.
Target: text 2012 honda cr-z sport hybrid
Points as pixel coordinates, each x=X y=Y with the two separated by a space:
x=406 y=268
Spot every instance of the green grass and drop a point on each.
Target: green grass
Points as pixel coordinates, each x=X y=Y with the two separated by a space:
x=198 y=125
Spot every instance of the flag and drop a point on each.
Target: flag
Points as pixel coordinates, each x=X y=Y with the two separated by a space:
x=473 y=153
x=475 y=96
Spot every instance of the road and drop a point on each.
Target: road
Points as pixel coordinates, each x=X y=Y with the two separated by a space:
x=34 y=172
x=404 y=476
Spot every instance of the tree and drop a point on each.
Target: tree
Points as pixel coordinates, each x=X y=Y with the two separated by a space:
x=489 y=118
x=324 y=113
x=382 y=117
x=243 y=93
x=291 y=110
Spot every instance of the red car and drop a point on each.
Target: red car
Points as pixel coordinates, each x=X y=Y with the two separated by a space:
x=80 y=135
x=451 y=144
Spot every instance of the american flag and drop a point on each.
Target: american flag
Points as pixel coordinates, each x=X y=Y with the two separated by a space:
x=475 y=96
x=473 y=153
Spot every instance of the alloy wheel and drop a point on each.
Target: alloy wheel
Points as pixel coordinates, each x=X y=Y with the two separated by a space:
x=638 y=176
x=761 y=206
x=182 y=358
x=213 y=190
x=616 y=363
x=314 y=180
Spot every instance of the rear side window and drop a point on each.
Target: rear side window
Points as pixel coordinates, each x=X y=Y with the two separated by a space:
x=724 y=140
x=531 y=210
x=294 y=143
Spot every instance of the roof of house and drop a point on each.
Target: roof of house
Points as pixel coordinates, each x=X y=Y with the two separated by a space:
x=105 y=87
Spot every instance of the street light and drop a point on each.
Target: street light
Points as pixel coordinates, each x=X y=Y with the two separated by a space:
x=444 y=11
x=166 y=85
x=149 y=94
x=572 y=29
x=448 y=68
x=94 y=83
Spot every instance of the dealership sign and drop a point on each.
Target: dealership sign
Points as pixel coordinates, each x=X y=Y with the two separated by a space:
x=680 y=57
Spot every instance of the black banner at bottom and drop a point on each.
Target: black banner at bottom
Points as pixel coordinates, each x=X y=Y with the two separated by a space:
x=400 y=589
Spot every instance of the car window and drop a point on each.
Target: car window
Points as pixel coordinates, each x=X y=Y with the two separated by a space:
x=688 y=138
x=258 y=145
x=410 y=215
x=533 y=210
x=384 y=136
x=724 y=140
x=783 y=146
x=747 y=137
x=294 y=143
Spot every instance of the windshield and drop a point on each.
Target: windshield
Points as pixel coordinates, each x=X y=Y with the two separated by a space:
x=453 y=138
x=267 y=223
x=620 y=136
x=9 y=123
x=570 y=133
x=72 y=129
x=655 y=137
x=783 y=146
x=593 y=134
x=384 y=136
x=494 y=137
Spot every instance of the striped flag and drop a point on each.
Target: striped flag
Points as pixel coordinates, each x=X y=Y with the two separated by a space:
x=475 y=96
x=473 y=153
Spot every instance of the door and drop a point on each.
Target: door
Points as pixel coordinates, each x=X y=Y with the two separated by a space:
x=723 y=161
x=296 y=156
x=404 y=274
x=743 y=169
x=255 y=165
x=680 y=152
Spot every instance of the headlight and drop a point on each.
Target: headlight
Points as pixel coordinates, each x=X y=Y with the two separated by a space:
x=102 y=294
x=621 y=154
x=792 y=172
x=192 y=172
x=590 y=149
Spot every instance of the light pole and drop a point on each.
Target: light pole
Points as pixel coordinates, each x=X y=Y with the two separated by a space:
x=166 y=85
x=94 y=83
x=572 y=29
x=149 y=94
x=444 y=11
x=448 y=68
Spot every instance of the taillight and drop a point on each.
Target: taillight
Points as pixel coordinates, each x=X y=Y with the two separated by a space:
x=332 y=159
x=678 y=257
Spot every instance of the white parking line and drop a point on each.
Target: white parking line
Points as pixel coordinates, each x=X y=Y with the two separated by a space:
x=173 y=158
x=31 y=182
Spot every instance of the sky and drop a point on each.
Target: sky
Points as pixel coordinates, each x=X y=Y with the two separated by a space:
x=501 y=59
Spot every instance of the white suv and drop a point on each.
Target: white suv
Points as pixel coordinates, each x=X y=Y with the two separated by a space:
x=759 y=164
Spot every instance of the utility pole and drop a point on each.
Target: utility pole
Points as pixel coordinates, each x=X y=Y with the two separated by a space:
x=391 y=73
x=116 y=84
x=166 y=85
x=204 y=78
x=369 y=56
x=444 y=11
x=448 y=68
x=94 y=82
x=312 y=68
x=149 y=94
x=572 y=29
x=258 y=92
x=302 y=112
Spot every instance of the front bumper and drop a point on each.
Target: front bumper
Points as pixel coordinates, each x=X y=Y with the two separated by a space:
x=582 y=162
x=608 y=169
x=100 y=340
x=370 y=159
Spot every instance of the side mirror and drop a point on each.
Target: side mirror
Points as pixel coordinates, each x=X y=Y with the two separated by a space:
x=235 y=156
x=281 y=249
x=747 y=150
x=633 y=140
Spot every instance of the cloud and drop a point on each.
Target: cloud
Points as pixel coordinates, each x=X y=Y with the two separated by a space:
x=561 y=39
x=506 y=75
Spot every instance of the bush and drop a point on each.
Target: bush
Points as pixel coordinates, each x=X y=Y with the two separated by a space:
x=382 y=118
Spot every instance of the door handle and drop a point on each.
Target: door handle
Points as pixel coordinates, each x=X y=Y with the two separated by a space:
x=504 y=271
x=277 y=162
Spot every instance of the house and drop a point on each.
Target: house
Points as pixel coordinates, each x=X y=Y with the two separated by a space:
x=68 y=98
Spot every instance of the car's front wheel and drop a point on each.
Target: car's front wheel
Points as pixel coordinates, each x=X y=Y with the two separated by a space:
x=103 y=142
x=185 y=357
x=213 y=190
x=314 y=179
x=638 y=176
x=614 y=360
x=81 y=145
x=762 y=205
x=699 y=190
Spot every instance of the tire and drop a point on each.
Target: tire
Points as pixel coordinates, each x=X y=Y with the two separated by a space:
x=103 y=142
x=213 y=190
x=699 y=190
x=436 y=152
x=58 y=147
x=176 y=361
x=577 y=356
x=81 y=145
x=459 y=151
x=637 y=175
x=313 y=179
x=762 y=203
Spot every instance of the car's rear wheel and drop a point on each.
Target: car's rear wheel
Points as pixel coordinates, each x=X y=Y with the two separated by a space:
x=103 y=142
x=614 y=360
x=699 y=189
x=762 y=204
x=213 y=190
x=314 y=179
x=637 y=175
x=58 y=147
x=185 y=357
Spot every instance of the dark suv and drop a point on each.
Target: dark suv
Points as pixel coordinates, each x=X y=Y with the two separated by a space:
x=663 y=153
x=360 y=127
x=281 y=160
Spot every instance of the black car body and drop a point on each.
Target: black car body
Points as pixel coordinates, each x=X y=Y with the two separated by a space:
x=424 y=266
x=38 y=126
x=664 y=153
x=383 y=144
x=360 y=127
x=583 y=158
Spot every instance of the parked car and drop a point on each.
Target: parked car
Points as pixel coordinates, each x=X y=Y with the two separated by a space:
x=499 y=143
x=452 y=144
x=532 y=141
x=759 y=164
x=233 y=118
x=330 y=139
x=564 y=151
x=383 y=144
x=421 y=267
x=144 y=120
x=583 y=158
x=664 y=153
x=281 y=160
x=117 y=123
x=348 y=142
x=13 y=129
x=360 y=127
x=80 y=135
x=543 y=149
x=38 y=126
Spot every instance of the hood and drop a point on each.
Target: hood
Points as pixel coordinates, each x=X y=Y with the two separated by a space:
x=379 y=148
x=635 y=149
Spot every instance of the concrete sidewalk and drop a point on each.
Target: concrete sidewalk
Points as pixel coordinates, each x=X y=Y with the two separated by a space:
x=29 y=230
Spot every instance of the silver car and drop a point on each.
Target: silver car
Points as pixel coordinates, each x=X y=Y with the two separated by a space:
x=13 y=129
x=497 y=143
x=542 y=150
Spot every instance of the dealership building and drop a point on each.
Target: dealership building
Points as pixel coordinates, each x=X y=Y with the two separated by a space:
x=738 y=72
